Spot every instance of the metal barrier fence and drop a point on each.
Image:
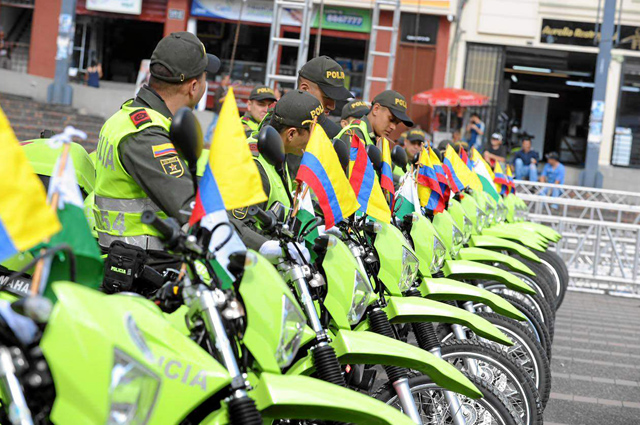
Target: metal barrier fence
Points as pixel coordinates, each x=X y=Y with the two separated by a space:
x=600 y=229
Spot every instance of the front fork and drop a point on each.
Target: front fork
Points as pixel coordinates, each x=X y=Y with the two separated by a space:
x=428 y=340
x=14 y=402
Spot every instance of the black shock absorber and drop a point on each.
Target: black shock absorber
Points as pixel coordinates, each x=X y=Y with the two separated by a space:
x=327 y=364
x=438 y=274
x=243 y=411
x=379 y=323
x=425 y=334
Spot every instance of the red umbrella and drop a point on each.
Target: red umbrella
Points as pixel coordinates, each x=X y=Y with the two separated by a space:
x=450 y=97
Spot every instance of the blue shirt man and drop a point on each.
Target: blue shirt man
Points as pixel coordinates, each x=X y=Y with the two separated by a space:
x=476 y=131
x=526 y=162
x=553 y=172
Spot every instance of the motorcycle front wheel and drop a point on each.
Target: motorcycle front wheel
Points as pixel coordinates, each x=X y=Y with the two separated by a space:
x=492 y=409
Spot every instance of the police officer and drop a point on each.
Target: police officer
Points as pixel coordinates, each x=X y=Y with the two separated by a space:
x=257 y=106
x=292 y=118
x=324 y=79
x=137 y=166
x=413 y=144
x=388 y=109
x=354 y=110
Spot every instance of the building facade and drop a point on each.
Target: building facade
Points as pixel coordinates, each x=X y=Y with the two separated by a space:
x=535 y=59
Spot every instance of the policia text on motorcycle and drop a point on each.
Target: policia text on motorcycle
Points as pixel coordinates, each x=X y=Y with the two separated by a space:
x=137 y=167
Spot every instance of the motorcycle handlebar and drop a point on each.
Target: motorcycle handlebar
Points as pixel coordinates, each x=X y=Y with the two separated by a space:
x=266 y=220
x=168 y=229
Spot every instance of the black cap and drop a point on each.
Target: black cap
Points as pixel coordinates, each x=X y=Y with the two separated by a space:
x=553 y=155
x=184 y=56
x=417 y=135
x=356 y=109
x=401 y=140
x=328 y=75
x=262 y=93
x=396 y=103
x=298 y=109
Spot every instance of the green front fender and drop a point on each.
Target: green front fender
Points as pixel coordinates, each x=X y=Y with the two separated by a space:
x=482 y=255
x=302 y=397
x=440 y=289
x=416 y=309
x=545 y=231
x=492 y=242
x=461 y=269
x=355 y=347
x=529 y=239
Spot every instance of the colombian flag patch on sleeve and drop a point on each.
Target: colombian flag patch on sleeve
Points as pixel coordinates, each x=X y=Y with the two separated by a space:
x=163 y=149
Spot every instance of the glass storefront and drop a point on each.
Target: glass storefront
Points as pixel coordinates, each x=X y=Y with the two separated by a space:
x=626 y=143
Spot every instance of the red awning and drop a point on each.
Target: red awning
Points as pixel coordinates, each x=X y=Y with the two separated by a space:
x=450 y=97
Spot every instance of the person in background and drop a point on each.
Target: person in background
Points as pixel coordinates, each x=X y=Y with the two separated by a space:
x=414 y=143
x=526 y=162
x=218 y=99
x=5 y=52
x=257 y=107
x=475 y=128
x=94 y=73
x=495 y=151
x=353 y=110
x=553 y=172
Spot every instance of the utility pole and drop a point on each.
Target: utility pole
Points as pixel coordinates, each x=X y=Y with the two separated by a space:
x=60 y=92
x=591 y=176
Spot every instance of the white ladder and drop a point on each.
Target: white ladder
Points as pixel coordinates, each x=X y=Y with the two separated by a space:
x=276 y=41
x=372 y=53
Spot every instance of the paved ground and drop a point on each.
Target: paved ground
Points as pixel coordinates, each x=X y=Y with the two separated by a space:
x=596 y=362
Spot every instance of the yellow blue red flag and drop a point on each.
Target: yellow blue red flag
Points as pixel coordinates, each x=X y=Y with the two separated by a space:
x=25 y=217
x=365 y=185
x=231 y=178
x=386 y=175
x=440 y=174
x=321 y=170
x=460 y=176
x=429 y=190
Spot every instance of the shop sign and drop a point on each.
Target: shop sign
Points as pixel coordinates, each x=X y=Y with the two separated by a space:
x=176 y=14
x=131 y=7
x=421 y=29
x=345 y=19
x=583 y=33
x=260 y=11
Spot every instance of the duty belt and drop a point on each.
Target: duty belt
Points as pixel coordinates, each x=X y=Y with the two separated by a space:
x=143 y=241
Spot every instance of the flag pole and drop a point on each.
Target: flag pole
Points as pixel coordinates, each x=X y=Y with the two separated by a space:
x=296 y=199
x=41 y=272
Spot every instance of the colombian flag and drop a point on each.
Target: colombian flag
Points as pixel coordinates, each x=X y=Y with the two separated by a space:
x=363 y=180
x=453 y=168
x=25 y=217
x=386 y=176
x=231 y=179
x=440 y=174
x=465 y=158
x=510 y=183
x=320 y=169
x=500 y=179
x=429 y=191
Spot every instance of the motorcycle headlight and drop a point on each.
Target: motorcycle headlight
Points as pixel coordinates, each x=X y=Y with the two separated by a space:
x=132 y=392
x=439 y=251
x=491 y=214
x=362 y=291
x=293 y=323
x=480 y=220
x=457 y=237
x=467 y=228
x=409 y=269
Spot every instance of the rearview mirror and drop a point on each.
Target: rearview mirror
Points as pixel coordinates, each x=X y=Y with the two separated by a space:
x=375 y=156
x=415 y=158
x=343 y=152
x=271 y=148
x=399 y=157
x=186 y=136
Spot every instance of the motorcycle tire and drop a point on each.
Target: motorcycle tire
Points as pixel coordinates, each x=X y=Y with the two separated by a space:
x=534 y=322
x=533 y=349
x=559 y=270
x=502 y=371
x=547 y=276
x=492 y=402
x=538 y=303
